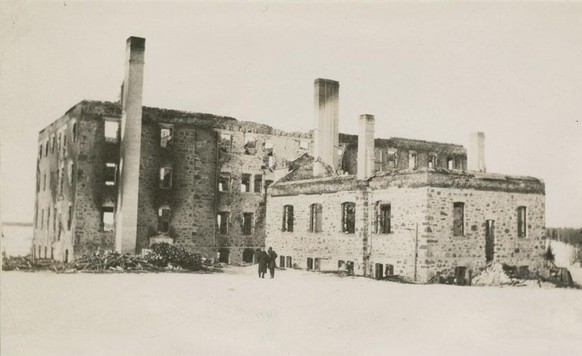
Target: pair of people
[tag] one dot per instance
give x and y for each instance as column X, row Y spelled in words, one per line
column 266, row 259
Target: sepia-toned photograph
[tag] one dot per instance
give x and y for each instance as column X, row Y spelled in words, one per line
column 290, row 178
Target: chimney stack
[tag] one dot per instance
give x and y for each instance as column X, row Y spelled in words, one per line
column 365, row 146
column 476, row 152
column 325, row 134
column 130, row 146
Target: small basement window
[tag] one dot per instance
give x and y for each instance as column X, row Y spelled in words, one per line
column 458, row 219
column 245, row 183
column 110, row 170
column 247, row 223
column 166, row 136
column 111, row 129
column 288, row 218
column 349, row 217
column 521, row 221
column 164, row 215
column 222, row 222
column 107, row 219
column 165, row 178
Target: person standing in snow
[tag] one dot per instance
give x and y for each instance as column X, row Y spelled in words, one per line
column 263, row 260
column 272, row 262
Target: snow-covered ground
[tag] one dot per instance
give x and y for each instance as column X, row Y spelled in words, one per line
column 297, row 313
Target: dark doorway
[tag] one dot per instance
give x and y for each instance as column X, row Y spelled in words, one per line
column 379, row 272
column 460, row 276
column 248, row 254
column 223, row 255
column 289, row 260
column 309, row 263
column 66, row 256
column 316, row 264
column 489, row 240
column 282, row 261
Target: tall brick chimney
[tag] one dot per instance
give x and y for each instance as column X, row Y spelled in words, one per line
column 365, row 146
column 326, row 114
column 476, row 152
column 130, row 146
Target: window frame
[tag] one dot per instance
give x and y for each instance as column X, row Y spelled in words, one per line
column 522, row 221
column 381, row 218
column 163, row 175
column 288, row 218
column 348, row 217
column 461, row 205
column 315, row 218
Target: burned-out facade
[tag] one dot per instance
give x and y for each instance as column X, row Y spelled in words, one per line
column 123, row 176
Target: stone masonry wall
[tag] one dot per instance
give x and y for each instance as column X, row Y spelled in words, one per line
column 331, row 244
column 444, row 251
column 191, row 197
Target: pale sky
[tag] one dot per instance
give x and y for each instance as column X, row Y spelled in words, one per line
column 432, row 71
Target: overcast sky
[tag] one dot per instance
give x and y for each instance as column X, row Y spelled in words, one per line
column 432, row 71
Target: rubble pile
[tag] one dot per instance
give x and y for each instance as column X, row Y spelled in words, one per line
column 111, row 261
column 493, row 275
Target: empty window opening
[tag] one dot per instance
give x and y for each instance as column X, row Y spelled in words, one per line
column 46, row 148
column 432, row 161
column 165, row 178
column 521, row 221
column 258, row 183
column 222, row 222
column 389, row 271
column 54, row 219
column 489, row 240
column 250, row 144
column 349, row 217
column 383, row 219
column 71, row 172
column 166, row 136
column 61, row 177
column 309, row 263
column 223, row 255
column 54, row 143
column 451, row 163
column 378, row 156
column 75, row 132
column 42, row 219
column 52, row 253
column 458, row 219
column 224, row 182
column 64, row 145
column 379, row 271
column 315, row 217
column 66, row 256
column 412, row 160
column 245, row 183
column 391, row 158
column 111, row 129
column 247, row 223
column 164, row 215
column 282, row 261
column 110, row 170
column 248, row 255
column 460, row 276
column 289, row 261
column 225, row 142
column 48, row 218
column 44, row 182
column 288, row 218
column 304, row 144
column 40, row 151
column 70, row 218
column 59, row 145
column 107, row 219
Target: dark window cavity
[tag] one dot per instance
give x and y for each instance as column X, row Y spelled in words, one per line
column 349, row 217
column 521, row 222
column 247, row 223
column 458, row 219
column 222, row 222
column 288, row 218
column 165, row 178
column 315, row 217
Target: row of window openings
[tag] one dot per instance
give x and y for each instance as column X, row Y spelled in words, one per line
column 432, row 161
column 56, row 219
column 459, row 221
column 55, row 143
column 38, row 254
column 222, row 220
column 250, row 144
column 225, row 181
column 59, row 174
column 383, row 218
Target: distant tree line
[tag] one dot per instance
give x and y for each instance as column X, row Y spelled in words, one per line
column 568, row 235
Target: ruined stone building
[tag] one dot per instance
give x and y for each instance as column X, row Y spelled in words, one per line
column 432, row 213
column 123, row 176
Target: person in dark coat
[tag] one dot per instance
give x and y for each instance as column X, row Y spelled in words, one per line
column 263, row 260
column 272, row 262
